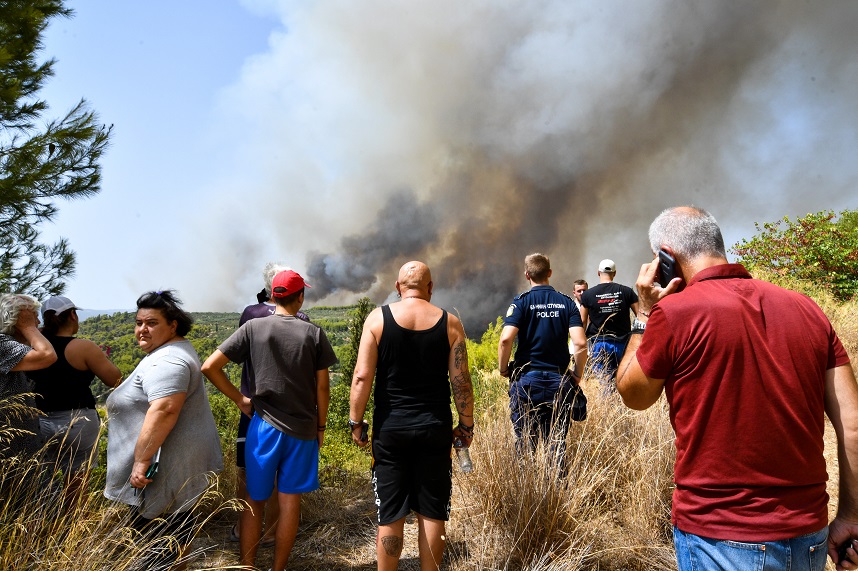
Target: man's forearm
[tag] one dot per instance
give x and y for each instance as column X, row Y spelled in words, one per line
column 504, row 351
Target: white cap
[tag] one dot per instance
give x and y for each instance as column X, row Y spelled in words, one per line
column 607, row 265
column 58, row 304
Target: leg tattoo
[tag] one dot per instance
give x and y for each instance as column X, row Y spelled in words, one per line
column 392, row 545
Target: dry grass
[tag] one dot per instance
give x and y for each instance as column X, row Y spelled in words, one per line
column 40, row 530
column 611, row 511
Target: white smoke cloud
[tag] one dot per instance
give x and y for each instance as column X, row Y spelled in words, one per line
column 468, row 134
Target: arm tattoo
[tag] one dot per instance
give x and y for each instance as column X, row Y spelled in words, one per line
column 462, row 390
column 460, row 377
column 392, row 545
column 460, row 353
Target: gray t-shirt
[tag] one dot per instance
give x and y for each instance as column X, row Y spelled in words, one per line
column 285, row 353
column 190, row 451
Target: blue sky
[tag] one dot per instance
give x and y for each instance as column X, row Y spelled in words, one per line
column 154, row 70
column 345, row 138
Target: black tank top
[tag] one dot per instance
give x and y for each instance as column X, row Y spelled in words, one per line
column 61, row 386
column 412, row 388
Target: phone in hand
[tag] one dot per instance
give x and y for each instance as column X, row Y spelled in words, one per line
column 666, row 268
column 841, row 551
column 364, row 431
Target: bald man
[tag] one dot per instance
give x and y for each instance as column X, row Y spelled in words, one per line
column 417, row 352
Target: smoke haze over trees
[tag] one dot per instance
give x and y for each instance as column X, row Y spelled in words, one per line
column 352, row 137
column 468, row 135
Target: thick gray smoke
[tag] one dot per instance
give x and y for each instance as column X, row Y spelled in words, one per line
column 556, row 126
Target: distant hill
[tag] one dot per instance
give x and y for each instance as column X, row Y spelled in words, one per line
column 113, row 331
column 85, row 314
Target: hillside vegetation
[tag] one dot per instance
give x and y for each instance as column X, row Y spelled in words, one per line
column 115, row 334
column 609, row 512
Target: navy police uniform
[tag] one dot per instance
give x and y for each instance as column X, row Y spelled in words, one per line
column 543, row 317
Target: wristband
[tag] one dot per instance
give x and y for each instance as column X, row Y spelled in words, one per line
column 322, row 427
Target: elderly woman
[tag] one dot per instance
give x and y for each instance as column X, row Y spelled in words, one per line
column 69, row 422
column 22, row 348
column 160, row 416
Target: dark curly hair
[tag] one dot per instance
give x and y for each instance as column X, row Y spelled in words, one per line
column 167, row 302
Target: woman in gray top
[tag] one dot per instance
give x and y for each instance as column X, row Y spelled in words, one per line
column 22, row 348
column 161, row 416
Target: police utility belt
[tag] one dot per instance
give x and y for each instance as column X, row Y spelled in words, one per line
column 519, row 370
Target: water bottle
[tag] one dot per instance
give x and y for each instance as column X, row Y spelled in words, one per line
column 463, row 456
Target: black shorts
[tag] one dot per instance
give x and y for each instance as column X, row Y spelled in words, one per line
column 243, row 423
column 412, row 470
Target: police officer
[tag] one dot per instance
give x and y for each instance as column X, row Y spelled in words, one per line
column 543, row 319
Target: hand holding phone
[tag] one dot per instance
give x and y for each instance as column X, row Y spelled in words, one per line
column 666, row 268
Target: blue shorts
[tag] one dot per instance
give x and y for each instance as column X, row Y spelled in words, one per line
column 269, row 453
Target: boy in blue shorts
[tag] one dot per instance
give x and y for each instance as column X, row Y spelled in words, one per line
column 288, row 403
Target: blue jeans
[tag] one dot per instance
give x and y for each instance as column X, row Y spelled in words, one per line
column 804, row 553
column 606, row 352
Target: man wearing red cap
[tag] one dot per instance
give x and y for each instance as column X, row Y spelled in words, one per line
column 288, row 402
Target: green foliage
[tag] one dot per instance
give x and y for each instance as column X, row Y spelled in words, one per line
column 38, row 164
column 820, row 248
column 484, row 355
column 489, row 387
column 115, row 335
column 339, row 450
column 335, row 322
column 357, row 316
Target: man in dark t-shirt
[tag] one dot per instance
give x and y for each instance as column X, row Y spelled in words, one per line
column 605, row 312
column 264, row 308
column 289, row 396
column 416, row 351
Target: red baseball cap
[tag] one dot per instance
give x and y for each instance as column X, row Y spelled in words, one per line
column 286, row 283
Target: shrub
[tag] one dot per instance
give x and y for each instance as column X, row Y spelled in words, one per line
column 819, row 248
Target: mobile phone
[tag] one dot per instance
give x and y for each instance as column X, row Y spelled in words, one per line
column 364, row 428
column 666, row 268
column 841, row 551
column 153, row 469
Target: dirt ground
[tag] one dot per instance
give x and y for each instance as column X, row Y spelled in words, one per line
column 319, row 546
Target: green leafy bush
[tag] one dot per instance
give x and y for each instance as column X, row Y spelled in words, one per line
column 820, row 248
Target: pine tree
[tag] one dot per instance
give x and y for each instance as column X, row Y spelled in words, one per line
column 39, row 162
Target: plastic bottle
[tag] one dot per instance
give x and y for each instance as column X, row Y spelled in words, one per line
column 463, row 456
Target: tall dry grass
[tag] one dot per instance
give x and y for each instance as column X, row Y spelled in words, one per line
column 611, row 510
column 41, row 529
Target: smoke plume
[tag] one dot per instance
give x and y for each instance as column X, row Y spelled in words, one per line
column 469, row 134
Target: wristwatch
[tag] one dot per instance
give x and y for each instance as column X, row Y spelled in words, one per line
column 353, row 423
column 638, row 327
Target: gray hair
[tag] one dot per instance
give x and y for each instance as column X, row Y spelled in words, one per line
column 11, row 305
column 689, row 231
column 270, row 270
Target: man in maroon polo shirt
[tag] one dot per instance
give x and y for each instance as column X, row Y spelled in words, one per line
column 748, row 370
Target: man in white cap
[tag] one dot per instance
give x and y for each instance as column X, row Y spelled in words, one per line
column 605, row 312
